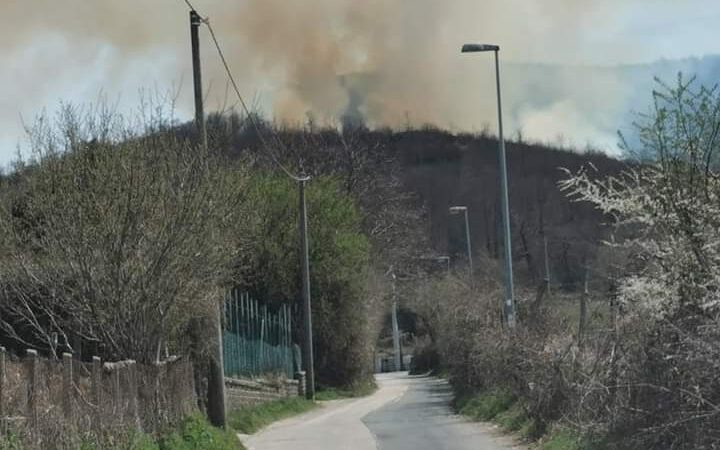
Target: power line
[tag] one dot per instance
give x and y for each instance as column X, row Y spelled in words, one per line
column 192, row 8
column 251, row 117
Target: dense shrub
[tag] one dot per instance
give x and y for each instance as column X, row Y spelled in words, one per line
column 425, row 358
column 339, row 270
column 114, row 237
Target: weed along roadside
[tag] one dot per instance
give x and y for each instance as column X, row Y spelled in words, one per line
column 193, row 433
column 362, row 389
column 251, row 419
column 510, row 414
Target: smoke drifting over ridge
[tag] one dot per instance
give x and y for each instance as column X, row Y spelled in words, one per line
column 395, row 61
column 405, row 52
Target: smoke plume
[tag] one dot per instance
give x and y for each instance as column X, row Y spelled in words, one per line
column 388, row 62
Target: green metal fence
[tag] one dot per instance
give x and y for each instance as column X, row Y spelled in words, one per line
column 256, row 341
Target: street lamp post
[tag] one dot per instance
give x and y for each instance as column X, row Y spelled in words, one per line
column 509, row 305
column 396, row 328
column 308, row 360
column 464, row 210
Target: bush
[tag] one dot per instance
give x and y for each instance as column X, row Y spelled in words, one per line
column 488, row 405
column 115, row 236
column 196, row 433
column 425, row 358
column 339, row 270
column 661, row 389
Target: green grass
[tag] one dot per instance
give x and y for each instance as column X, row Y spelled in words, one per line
column 194, row 433
column 197, row 434
column 501, row 407
column 10, row 442
column 513, row 418
column 486, row 406
column 251, row 419
column 563, row 439
column 357, row 390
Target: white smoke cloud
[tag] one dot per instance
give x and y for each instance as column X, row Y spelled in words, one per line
column 294, row 54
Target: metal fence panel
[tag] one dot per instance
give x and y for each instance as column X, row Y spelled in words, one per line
column 256, row 341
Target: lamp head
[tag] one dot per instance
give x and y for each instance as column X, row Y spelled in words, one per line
column 474, row 48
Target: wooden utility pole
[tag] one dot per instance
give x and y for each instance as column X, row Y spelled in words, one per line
column 308, row 361
column 195, row 22
column 216, row 375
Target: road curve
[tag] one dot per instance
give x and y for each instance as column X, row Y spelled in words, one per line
column 406, row 413
column 422, row 420
column 337, row 425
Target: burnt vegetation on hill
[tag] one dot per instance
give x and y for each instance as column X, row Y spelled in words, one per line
column 405, row 180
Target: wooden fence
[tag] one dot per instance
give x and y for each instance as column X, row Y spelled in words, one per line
column 45, row 401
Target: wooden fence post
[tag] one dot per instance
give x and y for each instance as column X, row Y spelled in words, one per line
column 96, row 391
column 33, row 388
column 67, row 390
column 96, row 381
column 2, row 386
column 117, row 394
column 133, row 387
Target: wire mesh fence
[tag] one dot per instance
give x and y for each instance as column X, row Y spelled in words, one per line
column 47, row 403
column 256, row 341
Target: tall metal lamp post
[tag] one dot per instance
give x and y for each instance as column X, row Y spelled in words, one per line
column 509, row 305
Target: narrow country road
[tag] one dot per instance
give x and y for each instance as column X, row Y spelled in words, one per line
column 406, row 413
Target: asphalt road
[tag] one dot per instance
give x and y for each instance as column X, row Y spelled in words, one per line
column 406, row 413
column 422, row 420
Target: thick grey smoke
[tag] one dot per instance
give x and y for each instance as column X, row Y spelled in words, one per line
column 395, row 62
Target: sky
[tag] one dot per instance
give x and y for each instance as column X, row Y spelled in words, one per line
column 295, row 57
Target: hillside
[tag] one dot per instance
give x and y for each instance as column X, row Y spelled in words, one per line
column 406, row 180
column 450, row 170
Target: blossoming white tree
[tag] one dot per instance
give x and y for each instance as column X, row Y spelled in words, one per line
column 666, row 214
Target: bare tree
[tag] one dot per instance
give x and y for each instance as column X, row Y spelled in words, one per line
column 115, row 235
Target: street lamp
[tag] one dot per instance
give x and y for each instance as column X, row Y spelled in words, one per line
column 509, row 306
column 463, row 209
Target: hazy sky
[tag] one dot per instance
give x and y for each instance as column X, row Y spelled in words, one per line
column 288, row 54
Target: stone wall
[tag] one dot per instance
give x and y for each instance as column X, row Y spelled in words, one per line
column 244, row 392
